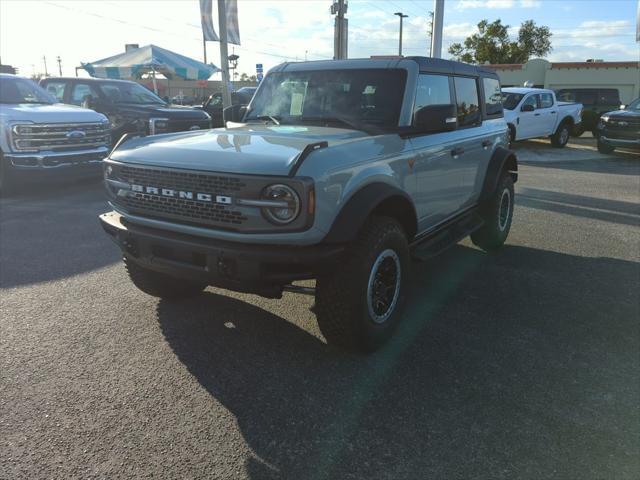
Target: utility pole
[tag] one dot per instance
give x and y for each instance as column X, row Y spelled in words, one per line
column 44, row 59
column 430, row 31
column 224, row 53
column 436, row 37
column 401, row 15
column 59, row 65
column 340, row 35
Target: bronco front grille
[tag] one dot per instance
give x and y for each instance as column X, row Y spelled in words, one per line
column 34, row 137
column 189, row 211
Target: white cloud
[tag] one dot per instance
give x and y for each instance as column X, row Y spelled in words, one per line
column 497, row 4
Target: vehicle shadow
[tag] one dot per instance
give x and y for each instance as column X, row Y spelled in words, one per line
column 520, row 364
column 615, row 211
column 608, row 164
column 51, row 231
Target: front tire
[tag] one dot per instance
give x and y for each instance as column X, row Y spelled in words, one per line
column 497, row 215
column 605, row 147
column 359, row 306
column 561, row 137
column 159, row 284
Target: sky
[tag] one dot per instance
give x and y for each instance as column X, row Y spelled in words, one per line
column 274, row 31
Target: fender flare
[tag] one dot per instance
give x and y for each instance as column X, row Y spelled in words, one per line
column 502, row 159
column 386, row 199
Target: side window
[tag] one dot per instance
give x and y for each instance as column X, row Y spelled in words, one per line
column 609, row 96
column 566, row 96
column 531, row 100
column 587, row 97
column 432, row 90
column 492, row 96
column 81, row 90
column 467, row 101
column 546, row 100
column 56, row 89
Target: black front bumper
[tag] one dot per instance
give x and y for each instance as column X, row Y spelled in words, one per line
column 249, row 268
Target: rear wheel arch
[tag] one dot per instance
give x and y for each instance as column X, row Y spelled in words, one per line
column 374, row 199
column 502, row 160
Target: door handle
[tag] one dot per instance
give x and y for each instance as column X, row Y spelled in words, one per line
column 457, row 151
column 486, row 143
column 554, row 111
column 536, row 114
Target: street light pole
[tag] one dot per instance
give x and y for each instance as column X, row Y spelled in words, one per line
column 401, row 15
column 224, row 53
column 59, row 65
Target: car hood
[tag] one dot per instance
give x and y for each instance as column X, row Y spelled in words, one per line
column 57, row 113
column 621, row 114
column 249, row 149
column 172, row 113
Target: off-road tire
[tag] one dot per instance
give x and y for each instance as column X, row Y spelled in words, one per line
column 343, row 308
column 605, row 147
column 560, row 138
column 6, row 185
column 159, row 284
column 497, row 222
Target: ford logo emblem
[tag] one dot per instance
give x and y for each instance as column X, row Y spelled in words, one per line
column 76, row 134
column 194, row 127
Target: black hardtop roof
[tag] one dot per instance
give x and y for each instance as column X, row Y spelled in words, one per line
column 439, row 65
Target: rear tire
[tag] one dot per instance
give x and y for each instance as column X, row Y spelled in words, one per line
column 561, row 137
column 497, row 215
column 159, row 284
column 605, row 147
column 359, row 306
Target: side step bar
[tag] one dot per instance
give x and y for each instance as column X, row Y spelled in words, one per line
column 446, row 236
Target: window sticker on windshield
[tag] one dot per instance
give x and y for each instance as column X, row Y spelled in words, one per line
column 296, row 104
column 288, row 129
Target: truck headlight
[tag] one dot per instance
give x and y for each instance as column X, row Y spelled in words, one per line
column 285, row 204
column 158, row 125
column 604, row 118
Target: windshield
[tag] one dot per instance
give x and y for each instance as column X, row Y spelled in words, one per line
column 635, row 105
column 511, row 100
column 346, row 98
column 20, row 90
column 118, row 92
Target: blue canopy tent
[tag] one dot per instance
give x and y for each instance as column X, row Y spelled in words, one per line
column 152, row 60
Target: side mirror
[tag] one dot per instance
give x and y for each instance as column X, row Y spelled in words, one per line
column 527, row 108
column 622, row 107
column 436, row 118
column 234, row 113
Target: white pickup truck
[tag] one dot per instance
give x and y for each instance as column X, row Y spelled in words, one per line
column 535, row 112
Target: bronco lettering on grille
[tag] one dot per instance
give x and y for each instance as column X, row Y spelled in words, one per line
column 185, row 195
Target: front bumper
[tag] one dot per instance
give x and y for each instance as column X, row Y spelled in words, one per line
column 249, row 268
column 49, row 164
column 620, row 142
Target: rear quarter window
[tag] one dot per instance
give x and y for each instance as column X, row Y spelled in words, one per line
column 467, row 103
column 492, row 96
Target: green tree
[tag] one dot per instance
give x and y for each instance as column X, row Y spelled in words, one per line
column 491, row 44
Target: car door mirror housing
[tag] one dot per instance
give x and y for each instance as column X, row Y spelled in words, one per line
column 527, row 108
column 622, row 107
column 234, row 113
column 435, row 118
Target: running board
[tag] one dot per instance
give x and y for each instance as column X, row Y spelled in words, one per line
column 448, row 235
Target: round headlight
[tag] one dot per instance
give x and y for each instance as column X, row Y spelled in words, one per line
column 286, row 204
column 604, row 118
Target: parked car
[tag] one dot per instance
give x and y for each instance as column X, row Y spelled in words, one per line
column 595, row 102
column 130, row 107
column 341, row 171
column 620, row 128
column 535, row 112
column 40, row 137
column 213, row 105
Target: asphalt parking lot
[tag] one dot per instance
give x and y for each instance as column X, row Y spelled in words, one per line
column 523, row 364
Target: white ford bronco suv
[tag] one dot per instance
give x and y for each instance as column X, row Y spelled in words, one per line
column 339, row 171
column 41, row 138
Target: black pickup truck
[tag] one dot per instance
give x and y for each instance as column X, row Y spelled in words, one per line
column 620, row 128
column 130, row 107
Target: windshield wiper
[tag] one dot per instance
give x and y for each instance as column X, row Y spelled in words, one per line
column 273, row 119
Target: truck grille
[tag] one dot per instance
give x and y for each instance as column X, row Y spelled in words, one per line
column 185, row 125
column 189, row 211
column 60, row 136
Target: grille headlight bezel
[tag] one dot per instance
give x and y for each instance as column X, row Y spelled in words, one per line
column 280, row 215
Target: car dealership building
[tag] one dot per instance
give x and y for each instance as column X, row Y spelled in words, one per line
column 625, row 76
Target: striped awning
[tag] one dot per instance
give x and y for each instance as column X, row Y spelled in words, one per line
column 150, row 58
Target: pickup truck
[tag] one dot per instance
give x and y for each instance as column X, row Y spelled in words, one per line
column 130, row 107
column 340, row 171
column 40, row 138
column 535, row 112
column 620, row 128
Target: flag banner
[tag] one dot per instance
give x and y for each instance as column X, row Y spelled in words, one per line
column 208, row 31
column 233, row 30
